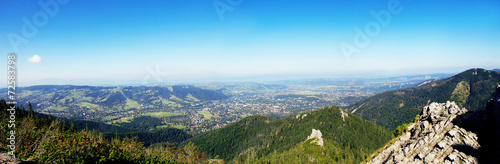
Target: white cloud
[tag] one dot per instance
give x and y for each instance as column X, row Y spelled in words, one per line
column 35, row 59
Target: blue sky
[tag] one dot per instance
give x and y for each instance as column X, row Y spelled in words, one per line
column 187, row 39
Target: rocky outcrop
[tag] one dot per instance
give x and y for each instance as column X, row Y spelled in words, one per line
column 316, row 136
column 343, row 114
column 433, row 138
column 299, row 116
column 444, row 133
column 6, row 159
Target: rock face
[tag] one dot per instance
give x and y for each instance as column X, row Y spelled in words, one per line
column 444, row 133
column 4, row 158
column 316, row 136
column 343, row 114
column 433, row 138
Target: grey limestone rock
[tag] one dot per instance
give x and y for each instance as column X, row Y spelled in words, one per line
column 430, row 139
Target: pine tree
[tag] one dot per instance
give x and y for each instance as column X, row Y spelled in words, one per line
column 72, row 127
column 31, row 112
column 50, row 116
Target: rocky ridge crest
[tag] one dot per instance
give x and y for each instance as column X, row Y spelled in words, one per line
column 432, row 139
column 445, row 133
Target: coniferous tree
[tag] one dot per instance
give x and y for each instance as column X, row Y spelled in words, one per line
column 72, row 127
column 31, row 112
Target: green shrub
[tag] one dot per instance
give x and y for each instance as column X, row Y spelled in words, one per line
column 400, row 130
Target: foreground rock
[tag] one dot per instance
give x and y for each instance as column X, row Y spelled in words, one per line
column 444, row 133
column 6, row 159
column 432, row 139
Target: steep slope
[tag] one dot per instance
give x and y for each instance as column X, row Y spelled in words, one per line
column 444, row 133
column 470, row 89
column 259, row 136
column 432, row 139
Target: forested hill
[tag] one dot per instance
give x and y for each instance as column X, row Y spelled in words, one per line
column 77, row 100
column 349, row 137
column 471, row 89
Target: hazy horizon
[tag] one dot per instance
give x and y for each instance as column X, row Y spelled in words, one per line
column 269, row 79
column 215, row 40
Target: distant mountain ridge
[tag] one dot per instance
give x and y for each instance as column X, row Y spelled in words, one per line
column 82, row 100
column 470, row 89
